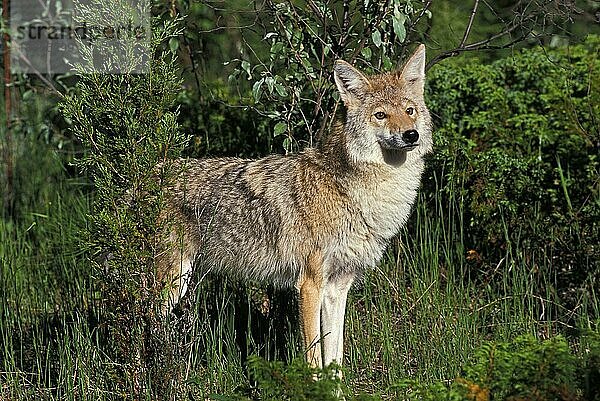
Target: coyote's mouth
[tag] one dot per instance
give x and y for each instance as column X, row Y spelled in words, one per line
column 397, row 145
column 409, row 147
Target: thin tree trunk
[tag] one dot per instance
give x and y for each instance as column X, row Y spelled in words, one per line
column 8, row 145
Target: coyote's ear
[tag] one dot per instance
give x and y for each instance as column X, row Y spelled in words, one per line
column 413, row 73
column 351, row 83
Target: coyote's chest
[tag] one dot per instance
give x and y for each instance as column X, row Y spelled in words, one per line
column 377, row 211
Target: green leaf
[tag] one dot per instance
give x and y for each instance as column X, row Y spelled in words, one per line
column 280, row 128
column 256, row 90
column 276, row 48
column 270, row 82
column 366, row 53
column 280, row 89
column 387, row 62
column 376, row 37
column 306, row 63
column 173, row 45
column 246, row 67
column 398, row 21
column 27, row 95
column 287, row 144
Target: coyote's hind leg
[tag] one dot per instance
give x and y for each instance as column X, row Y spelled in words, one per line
column 176, row 275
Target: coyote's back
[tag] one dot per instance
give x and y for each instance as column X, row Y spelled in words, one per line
column 315, row 220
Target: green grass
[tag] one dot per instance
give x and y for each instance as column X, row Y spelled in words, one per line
column 419, row 315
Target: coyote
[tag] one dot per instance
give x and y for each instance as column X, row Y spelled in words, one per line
column 313, row 220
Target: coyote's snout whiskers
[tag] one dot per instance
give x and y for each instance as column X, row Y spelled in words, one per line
column 315, row 220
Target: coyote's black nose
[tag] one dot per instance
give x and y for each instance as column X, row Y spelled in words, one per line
column 410, row 136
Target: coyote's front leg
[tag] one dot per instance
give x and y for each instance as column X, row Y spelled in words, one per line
column 310, row 289
column 333, row 308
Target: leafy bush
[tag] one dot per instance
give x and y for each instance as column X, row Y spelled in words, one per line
column 523, row 369
column 295, row 381
column 290, row 70
column 518, row 140
column 128, row 126
column 221, row 127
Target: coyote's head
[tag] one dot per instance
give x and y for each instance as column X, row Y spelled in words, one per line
column 387, row 119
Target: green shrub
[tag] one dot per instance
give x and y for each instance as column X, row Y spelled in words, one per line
column 128, row 125
column 296, row 381
column 221, row 127
column 523, row 369
column 289, row 71
column 518, row 140
column 588, row 371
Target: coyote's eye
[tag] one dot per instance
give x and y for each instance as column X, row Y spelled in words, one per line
column 410, row 111
column 380, row 115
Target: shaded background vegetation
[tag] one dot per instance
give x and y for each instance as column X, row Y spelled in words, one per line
column 503, row 241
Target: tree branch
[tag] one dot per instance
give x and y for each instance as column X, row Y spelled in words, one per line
column 345, row 24
column 485, row 43
column 528, row 16
column 421, row 14
column 7, row 154
column 470, row 24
